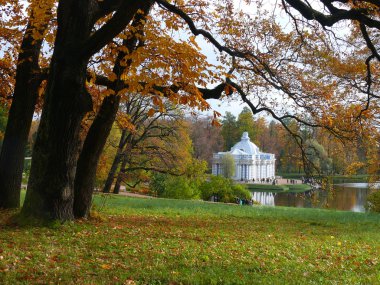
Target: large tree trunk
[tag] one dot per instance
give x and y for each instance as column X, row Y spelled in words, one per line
column 20, row 115
column 50, row 188
column 89, row 157
column 101, row 127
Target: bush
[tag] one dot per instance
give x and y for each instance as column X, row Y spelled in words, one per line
column 217, row 186
column 373, row 202
column 240, row 191
column 175, row 187
column 179, row 187
column 224, row 189
column 157, row 184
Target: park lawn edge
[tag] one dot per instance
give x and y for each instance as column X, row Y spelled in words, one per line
column 289, row 188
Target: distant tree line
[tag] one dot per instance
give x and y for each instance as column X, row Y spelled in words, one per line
column 324, row 153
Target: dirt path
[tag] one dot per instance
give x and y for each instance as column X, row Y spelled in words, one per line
column 129, row 194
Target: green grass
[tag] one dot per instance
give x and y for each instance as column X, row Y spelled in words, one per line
column 335, row 178
column 291, row 188
column 350, row 179
column 162, row 241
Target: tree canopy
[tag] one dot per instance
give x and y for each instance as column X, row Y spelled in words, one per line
column 315, row 64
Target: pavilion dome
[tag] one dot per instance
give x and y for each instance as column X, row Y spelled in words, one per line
column 246, row 145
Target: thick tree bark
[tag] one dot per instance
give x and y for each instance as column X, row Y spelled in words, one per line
column 20, row 116
column 50, row 194
column 51, row 182
column 101, row 127
column 89, row 157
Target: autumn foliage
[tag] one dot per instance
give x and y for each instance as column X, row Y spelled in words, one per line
column 302, row 65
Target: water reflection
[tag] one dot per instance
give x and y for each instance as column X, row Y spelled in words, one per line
column 347, row 197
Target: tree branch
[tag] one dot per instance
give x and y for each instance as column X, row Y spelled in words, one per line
column 123, row 16
column 335, row 16
column 214, row 93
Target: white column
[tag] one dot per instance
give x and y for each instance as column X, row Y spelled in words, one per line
column 270, row 169
column 259, row 170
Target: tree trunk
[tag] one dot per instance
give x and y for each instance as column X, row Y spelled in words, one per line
column 50, row 188
column 101, row 127
column 115, row 164
column 116, row 189
column 89, row 157
column 20, row 116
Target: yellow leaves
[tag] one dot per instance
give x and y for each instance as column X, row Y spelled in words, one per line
column 352, row 168
column 124, row 122
column 194, row 43
column 108, row 92
column 169, row 23
column 50, row 38
column 112, row 76
column 37, row 35
column 327, row 121
column 106, row 266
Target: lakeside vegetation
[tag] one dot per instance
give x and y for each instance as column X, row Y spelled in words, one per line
column 358, row 178
column 289, row 188
column 164, row 241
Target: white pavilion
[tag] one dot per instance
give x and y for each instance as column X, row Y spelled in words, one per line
column 250, row 163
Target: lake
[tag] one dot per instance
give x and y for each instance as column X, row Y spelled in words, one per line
column 347, row 197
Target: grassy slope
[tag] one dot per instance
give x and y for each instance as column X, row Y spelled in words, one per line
column 160, row 241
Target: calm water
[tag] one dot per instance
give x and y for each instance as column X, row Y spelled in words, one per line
column 347, row 197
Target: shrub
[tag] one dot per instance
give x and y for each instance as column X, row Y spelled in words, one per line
column 157, row 184
column 373, row 202
column 224, row 189
column 179, row 187
column 240, row 191
column 175, row 187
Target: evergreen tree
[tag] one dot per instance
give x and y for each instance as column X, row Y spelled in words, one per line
column 230, row 131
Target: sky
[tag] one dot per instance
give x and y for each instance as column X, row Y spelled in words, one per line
column 234, row 107
column 222, row 106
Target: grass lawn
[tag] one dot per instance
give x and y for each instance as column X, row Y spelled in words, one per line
column 336, row 179
column 162, row 241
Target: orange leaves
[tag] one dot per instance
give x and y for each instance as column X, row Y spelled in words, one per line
column 194, row 43
column 124, row 122
column 106, row 266
column 112, row 76
column 228, row 89
column 215, row 120
column 151, row 112
column 215, row 123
